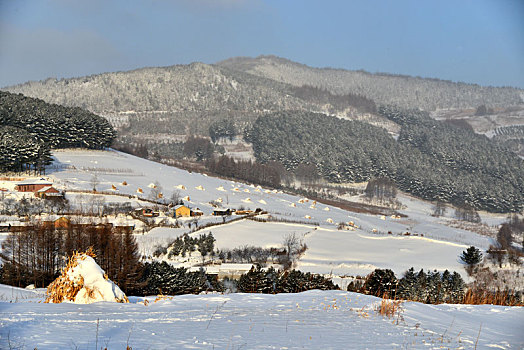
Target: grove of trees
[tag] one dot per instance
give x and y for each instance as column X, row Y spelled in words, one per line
column 431, row 159
column 30, row 127
column 36, row 254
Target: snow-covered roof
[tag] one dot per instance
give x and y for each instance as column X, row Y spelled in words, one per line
column 237, row 267
column 53, row 194
column 43, row 189
column 180, row 206
column 34, row 182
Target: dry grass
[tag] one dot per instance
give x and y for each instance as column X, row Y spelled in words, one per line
column 161, row 297
column 388, row 307
column 480, row 297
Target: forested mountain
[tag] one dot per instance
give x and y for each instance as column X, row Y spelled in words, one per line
column 384, row 89
column 432, row 160
column 156, row 108
column 170, row 99
column 30, row 127
column 184, row 99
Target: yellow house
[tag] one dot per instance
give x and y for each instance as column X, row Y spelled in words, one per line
column 182, row 210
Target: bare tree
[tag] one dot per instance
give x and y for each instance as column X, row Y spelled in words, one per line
column 439, row 209
column 98, row 205
column 95, row 181
column 294, row 246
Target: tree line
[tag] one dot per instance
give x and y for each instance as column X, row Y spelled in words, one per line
column 431, row 287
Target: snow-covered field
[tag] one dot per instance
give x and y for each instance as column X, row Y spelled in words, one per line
column 309, row 320
column 329, row 250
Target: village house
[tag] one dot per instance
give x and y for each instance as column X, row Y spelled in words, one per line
column 32, row 185
column 49, row 192
column 146, row 212
column 181, row 210
column 196, row 212
column 222, row 212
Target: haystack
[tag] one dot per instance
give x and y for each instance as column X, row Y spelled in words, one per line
column 83, row 282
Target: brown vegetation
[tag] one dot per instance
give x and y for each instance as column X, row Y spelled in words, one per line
column 37, row 254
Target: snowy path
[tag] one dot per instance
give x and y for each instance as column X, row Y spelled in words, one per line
column 310, row 320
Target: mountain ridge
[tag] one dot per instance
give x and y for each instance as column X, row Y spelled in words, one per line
column 384, row 88
column 340, row 81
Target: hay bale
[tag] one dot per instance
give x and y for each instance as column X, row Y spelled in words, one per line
column 83, row 282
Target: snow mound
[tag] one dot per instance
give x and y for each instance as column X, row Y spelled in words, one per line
column 83, row 282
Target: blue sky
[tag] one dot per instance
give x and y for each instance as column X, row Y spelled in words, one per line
column 475, row 41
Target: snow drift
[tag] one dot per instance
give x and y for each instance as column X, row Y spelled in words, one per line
column 83, row 282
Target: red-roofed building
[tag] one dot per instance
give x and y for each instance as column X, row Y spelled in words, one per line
column 32, row 185
column 49, row 192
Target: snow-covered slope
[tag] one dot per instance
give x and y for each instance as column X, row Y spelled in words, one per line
column 329, row 249
column 310, row 320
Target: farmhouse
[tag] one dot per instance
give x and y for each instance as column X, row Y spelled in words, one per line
column 182, row 210
column 49, row 192
column 32, row 185
column 222, row 212
column 196, row 212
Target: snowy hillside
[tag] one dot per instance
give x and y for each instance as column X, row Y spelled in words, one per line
column 309, row 320
column 355, row 251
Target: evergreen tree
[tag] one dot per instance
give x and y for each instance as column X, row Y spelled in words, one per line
column 407, row 285
column 254, row 281
column 381, row 283
column 471, row 256
column 421, row 287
